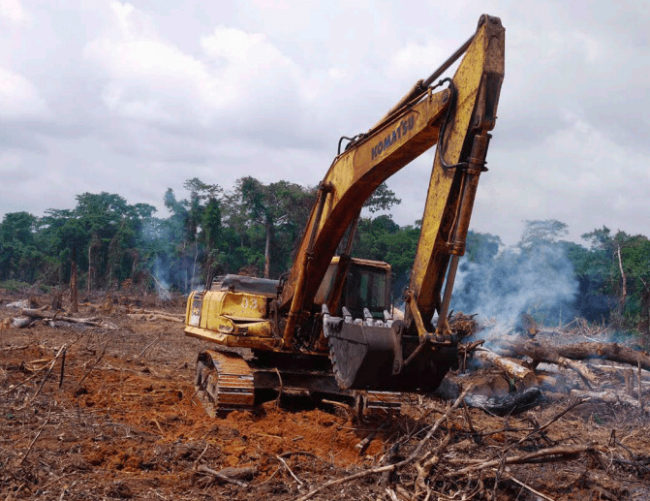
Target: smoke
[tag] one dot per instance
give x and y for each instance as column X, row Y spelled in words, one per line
column 502, row 283
column 172, row 264
column 160, row 279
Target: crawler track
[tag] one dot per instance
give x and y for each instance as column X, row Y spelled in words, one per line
column 224, row 382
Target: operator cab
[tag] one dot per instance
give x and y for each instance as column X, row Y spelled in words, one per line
column 367, row 285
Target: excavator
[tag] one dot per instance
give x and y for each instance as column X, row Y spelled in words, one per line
column 327, row 328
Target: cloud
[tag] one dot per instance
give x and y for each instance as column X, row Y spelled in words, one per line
column 239, row 84
column 13, row 11
column 576, row 174
column 146, row 79
column 19, row 98
column 135, row 98
column 409, row 59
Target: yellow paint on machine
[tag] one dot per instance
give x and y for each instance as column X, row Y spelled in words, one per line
column 248, row 341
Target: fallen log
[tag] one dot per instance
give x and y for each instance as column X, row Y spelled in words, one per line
column 583, row 371
column 23, row 303
column 577, row 351
column 513, row 369
column 152, row 316
column 608, row 397
column 156, row 312
column 92, row 321
column 616, row 370
column 21, row 322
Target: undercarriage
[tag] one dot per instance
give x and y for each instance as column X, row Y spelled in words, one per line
column 226, row 382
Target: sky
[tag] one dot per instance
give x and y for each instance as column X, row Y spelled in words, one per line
column 133, row 98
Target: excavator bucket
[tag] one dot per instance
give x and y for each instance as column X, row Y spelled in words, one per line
column 362, row 356
column 369, row 356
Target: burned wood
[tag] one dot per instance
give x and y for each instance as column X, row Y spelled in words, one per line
column 62, row 372
column 510, row 403
column 91, row 422
column 365, row 442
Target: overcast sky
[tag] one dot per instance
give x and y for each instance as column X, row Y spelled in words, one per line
column 133, row 98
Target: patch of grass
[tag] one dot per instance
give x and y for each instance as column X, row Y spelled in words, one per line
column 14, row 285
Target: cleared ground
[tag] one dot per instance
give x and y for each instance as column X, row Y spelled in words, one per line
column 121, row 420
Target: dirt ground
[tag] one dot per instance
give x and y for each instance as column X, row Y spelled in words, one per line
column 120, row 420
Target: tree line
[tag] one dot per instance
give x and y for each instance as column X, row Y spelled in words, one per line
column 105, row 243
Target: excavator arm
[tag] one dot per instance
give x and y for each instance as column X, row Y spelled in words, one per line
column 458, row 163
column 457, row 118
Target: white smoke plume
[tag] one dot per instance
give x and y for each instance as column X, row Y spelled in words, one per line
column 501, row 286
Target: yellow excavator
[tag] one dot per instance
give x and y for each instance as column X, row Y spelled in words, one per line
column 327, row 329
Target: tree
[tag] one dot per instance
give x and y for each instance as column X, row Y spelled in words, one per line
column 19, row 253
column 481, row 247
column 276, row 207
column 66, row 234
column 211, row 226
column 541, row 232
column 383, row 198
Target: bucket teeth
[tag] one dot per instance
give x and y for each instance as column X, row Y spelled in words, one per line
column 224, row 382
column 362, row 355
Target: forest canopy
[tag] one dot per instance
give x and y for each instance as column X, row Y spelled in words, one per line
column 253, row 228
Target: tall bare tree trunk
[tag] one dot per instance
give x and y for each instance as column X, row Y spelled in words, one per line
column 267, row 251
column 196, row 257
column 621, row 301
column 644, row 325
column 134, row 264
column 184, row 261
column 74, row 294
column 89, row 280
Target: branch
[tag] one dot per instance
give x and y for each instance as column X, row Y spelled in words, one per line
column 554, row 453
column 49, row 370
column 411, row 458
column 224, row 474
